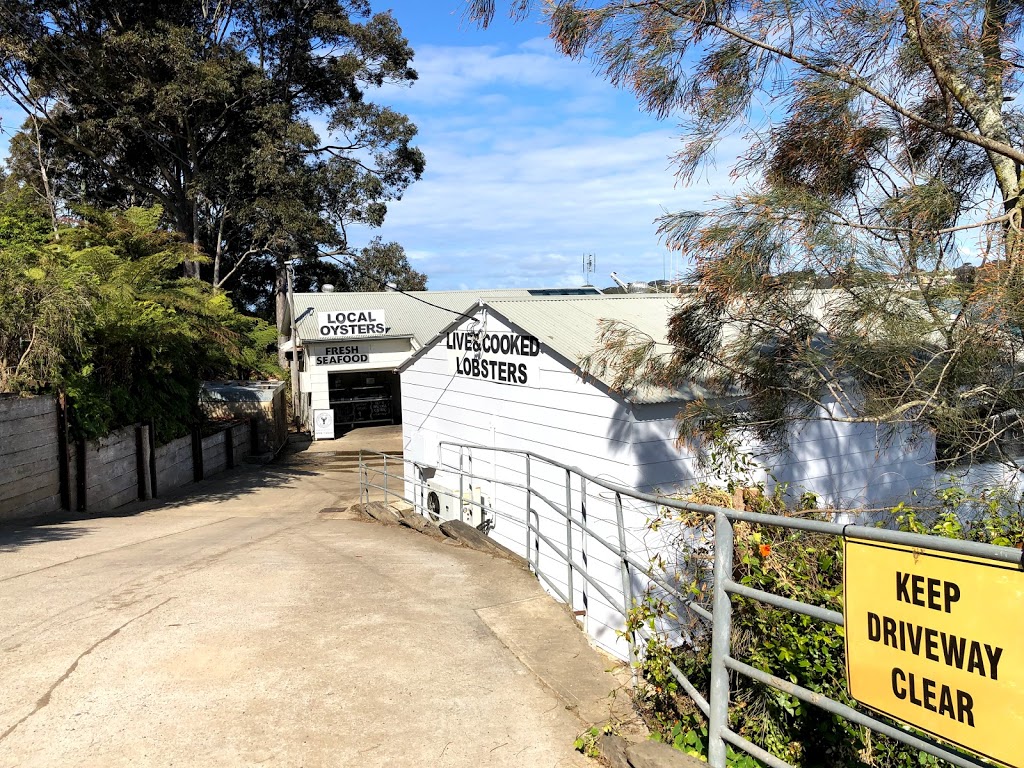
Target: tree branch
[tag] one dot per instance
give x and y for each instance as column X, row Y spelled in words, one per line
column 848, row 78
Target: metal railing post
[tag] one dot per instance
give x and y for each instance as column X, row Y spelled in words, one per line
column 462, row 479
column 529, row 503
column 362, row 476
column 716, row 705
column 385, row 478
column 536, row 542
column 584, row 592
column 721, row 630
column 627, row 585
column 568, row 539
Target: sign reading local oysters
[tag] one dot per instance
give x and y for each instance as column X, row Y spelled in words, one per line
column 358, row 322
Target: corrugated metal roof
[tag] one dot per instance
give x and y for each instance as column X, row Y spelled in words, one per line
column 571, row 326
column 404, row 314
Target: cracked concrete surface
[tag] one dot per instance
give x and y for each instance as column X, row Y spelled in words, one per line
column 235, row 627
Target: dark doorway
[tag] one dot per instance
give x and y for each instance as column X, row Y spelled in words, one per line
column 362, row 398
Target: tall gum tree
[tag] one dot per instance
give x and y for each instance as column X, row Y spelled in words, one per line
column 246, row 121
column 883, row 142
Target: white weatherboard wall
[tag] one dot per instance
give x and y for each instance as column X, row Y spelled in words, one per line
column 846, row 466
column 558, row 415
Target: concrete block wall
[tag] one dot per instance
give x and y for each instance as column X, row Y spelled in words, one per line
column 215, row 454
column 242, row 441
column 29, row 457
column 117, row 467
column 279, row 419
column 174, row 464
column 112, row 469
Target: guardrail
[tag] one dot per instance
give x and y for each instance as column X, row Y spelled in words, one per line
column 716, row 706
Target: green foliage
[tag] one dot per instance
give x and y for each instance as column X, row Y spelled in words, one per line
column 380, row 263
column 810, row 653
column 44, row 303
column 208, row 110
column 111, row 325
column 993, row 516
column 588, row 742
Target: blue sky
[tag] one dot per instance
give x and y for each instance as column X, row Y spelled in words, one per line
column 532, row 160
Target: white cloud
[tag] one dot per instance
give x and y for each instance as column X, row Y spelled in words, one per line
column 449, row 73
column 524, row 211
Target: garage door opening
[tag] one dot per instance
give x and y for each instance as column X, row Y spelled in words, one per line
column 364, row 398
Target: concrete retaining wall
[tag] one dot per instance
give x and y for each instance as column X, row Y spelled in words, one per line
column 113, row 469
column 29, row 463
column 262, row 403
column 242, row 434
column 174, row 465
column 215, row 454
column 118, row 468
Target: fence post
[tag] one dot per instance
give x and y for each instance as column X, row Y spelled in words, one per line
column 63, row 460
column 568, row 539
column 385, row 478
column 721, row 631
column 82, row 479
column 584, row 595
column 254, row 436
column 627, row 585
column 151, row 429
column 197, row 454
column 529, row 503
column 141, row 465
column 536, row 541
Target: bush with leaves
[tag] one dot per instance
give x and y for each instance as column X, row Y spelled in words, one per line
column 99, row 313
column 44, row 299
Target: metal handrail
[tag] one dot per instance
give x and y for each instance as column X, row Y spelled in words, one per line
column 866, row 533
column 716, row 706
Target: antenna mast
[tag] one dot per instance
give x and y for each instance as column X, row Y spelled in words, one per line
column 589, row 265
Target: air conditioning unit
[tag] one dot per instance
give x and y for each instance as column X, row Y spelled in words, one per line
column 442, row 502
column 443, row 505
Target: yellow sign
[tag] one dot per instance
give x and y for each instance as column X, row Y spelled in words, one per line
column 937, row 641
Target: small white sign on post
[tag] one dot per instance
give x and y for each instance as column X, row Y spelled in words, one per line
column 323, row 424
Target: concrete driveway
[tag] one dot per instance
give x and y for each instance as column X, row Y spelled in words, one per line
column 238, row 627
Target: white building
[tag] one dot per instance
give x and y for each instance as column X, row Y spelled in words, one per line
column 509, row 378
column 351, row 344
column 531, row 394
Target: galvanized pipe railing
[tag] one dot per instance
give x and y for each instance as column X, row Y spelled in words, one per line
column 716, row 706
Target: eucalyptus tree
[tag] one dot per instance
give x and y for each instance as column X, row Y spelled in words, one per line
column 869, row 268
column 245, row 121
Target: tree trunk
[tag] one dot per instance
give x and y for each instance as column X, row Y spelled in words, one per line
column 281, row 308
column 192, row 267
